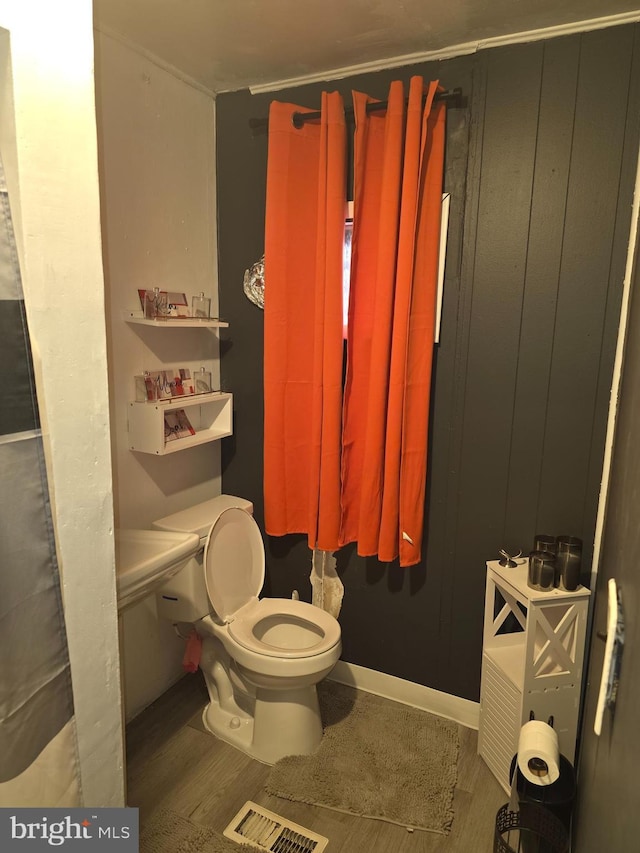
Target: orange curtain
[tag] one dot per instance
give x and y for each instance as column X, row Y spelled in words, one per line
column 304, row 235
column 398, row 168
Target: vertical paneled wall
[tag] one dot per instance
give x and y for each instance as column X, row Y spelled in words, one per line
column 540, row 165
column 547, row 222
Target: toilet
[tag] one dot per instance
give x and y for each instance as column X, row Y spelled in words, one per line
column 261, row 658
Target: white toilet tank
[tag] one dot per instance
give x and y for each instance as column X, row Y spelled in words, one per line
column 184, row 597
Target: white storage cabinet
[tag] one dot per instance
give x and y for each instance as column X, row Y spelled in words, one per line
column 532, row 659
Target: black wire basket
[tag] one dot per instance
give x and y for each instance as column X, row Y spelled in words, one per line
column 533, row 829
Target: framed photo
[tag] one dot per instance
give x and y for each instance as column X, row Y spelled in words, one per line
column 177, row 425
column 176, row 303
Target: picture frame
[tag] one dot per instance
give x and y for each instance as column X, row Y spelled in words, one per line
column 177, row 303
column 177, row 425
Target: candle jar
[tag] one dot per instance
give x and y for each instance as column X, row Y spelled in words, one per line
column 202, row 381
column 200, row 307
column 162, row 305
column 151, row 303
column 568, row 562
column 543, row 542
column 155, row 304
column 541, row 570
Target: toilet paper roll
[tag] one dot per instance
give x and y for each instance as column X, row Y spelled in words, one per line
column 538, row 753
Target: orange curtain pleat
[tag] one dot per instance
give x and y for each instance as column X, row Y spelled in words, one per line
column 398, row 165
column 413, row 470
column 377, row 167
column 304, row 234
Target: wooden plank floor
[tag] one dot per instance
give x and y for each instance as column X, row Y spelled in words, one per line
column 172, row 764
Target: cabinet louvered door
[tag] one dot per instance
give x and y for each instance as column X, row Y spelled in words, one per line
column 501, row 712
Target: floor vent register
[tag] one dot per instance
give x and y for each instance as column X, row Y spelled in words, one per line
column 266, row 830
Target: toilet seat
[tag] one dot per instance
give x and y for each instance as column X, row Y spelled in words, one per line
column 234, row 575
column 284, row 628
column 233, row 562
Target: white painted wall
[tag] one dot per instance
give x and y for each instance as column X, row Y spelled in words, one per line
column 53, row 179
column 157, row 171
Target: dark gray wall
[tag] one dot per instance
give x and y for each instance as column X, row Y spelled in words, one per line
column 540, row 165
column 607, row 815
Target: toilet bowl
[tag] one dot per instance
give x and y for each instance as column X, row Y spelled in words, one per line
column 261, row 658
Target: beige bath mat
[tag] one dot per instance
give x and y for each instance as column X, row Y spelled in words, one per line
column 168, row 832
column 377, row 759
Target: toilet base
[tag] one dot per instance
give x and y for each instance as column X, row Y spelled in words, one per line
column 285, row 722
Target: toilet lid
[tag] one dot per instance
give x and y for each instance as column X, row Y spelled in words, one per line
column 233, row 562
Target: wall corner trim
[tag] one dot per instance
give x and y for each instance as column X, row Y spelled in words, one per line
column 154, row 59
column 461, row 711
column 633, row 259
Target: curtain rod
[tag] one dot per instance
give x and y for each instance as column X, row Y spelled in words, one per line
column 452, row 96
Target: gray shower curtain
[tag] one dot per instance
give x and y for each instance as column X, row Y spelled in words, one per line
column 36, row 701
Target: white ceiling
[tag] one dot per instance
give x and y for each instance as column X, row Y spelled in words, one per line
column 232, row 44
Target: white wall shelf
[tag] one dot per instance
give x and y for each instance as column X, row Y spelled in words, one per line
column 209, row 414
column 137, row 318
column 533, row 651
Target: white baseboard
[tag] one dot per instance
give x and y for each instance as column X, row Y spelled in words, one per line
column 461, row 711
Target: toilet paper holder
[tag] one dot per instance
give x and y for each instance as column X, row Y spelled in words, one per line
column 538, row 766
column 532, row 716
